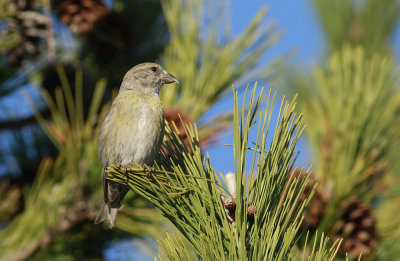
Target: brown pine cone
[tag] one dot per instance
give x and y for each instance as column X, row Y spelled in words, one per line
column 315, row 211
column 81, row 15
column 173, row 116
column 230, row 207
column 357, row 228
column 25, row 29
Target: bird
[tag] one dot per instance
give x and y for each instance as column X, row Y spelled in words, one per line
column 132, row 131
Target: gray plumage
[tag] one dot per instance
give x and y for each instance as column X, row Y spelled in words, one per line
column 132, row 131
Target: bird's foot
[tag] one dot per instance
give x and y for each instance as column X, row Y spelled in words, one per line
column 125, row 172
column 149, row 169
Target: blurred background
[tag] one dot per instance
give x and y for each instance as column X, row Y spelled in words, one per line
column 62, row 61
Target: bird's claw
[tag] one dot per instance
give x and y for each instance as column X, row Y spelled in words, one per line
column 149, row 169
column 125, row 171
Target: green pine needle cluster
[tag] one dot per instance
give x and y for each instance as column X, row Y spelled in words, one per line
column 368, row 23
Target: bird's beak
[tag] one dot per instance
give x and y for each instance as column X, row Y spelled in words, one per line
column 168, row 78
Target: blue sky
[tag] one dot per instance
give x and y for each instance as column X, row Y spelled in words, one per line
column 295, row 19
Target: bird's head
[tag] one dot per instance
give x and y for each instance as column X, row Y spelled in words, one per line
column 146, row 77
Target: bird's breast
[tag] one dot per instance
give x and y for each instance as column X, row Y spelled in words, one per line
column 136, row 125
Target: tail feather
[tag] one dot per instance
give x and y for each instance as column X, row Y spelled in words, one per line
column 102, row 214
column 107, row 213
column 112, row 217
column 114, row 194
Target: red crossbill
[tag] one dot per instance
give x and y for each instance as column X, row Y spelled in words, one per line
column 132, row 131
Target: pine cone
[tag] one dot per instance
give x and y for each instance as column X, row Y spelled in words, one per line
column 173, row 116
column 27, row 27
column 315, row 211
column 230, row 207
column 357, row 228
column 81, row 15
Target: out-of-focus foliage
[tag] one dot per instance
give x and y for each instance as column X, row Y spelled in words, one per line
column 351, row 104
column 351, row 108
column 352, row 117
column 369, row 23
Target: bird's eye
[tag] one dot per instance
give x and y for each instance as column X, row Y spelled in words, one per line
column 154, row 69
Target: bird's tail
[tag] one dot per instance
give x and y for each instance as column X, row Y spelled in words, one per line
column 107, row 213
